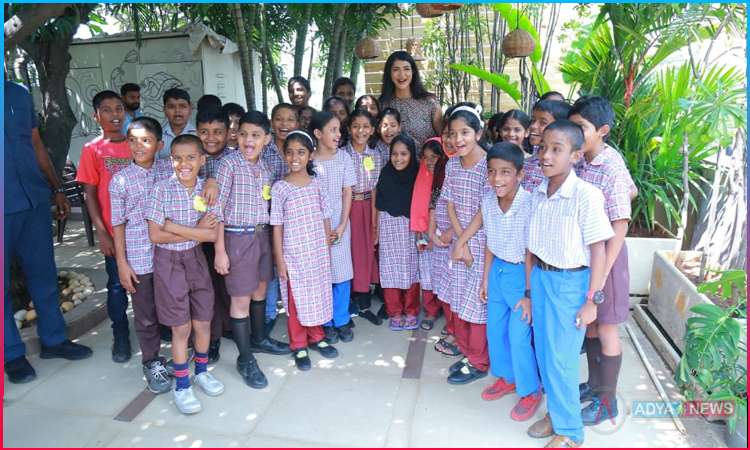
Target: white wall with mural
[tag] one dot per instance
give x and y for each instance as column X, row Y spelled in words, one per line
column 194, row 60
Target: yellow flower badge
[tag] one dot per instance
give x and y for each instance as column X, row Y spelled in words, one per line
column 266, row 194
column 199, row 204
column 368, row 163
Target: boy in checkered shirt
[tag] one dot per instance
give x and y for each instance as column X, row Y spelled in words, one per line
column 178, row 221
column 504, row 214
column 129, row 190
column 543, row 113
column 604, row 167
column 567, row 235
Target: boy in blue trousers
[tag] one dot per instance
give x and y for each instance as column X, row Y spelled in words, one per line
column 567, row 233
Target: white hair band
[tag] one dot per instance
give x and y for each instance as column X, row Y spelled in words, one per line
column 302, row 133
column 468, row 109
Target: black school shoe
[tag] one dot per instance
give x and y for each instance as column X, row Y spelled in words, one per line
column 252, row 374
column 332, row 337
column 66, row 350
column 598, row 411
column 466, row 374
column 458, row 364
column 121, row 351
column 271, row 346
column 382, row 313
column 19, row 371
column 213, row 351
column 371, row 317
column 345, row 333
column 325, row 350
column 302, row 359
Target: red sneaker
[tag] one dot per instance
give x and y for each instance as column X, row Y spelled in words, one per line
column 497, row 390
column 526, row 407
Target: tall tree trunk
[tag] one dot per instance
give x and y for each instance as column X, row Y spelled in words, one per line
column 246, row 61
column 354, row 72
column 268, row 56
column 300, row 39
column 340, row 54
column 312, row 58
column 52, row 60
column 333, row 50
column 23, row 24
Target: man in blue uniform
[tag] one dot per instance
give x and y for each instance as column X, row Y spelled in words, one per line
column 29, row 175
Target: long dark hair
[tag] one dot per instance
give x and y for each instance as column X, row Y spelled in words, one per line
column 388, row 88
column 438, row 175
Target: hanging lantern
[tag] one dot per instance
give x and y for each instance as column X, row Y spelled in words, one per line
column 367, row 48
column 518, row 44
column 428, row 10
column 414, row 48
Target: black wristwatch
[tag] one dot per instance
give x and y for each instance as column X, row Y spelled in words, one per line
column 597, row 297
column 527, row 293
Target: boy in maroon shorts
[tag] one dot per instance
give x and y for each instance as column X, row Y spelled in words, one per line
column 243, row 247
column 178, row 221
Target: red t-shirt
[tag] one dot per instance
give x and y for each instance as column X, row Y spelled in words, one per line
column 100, row 160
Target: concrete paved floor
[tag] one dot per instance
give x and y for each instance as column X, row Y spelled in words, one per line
column 360, row 399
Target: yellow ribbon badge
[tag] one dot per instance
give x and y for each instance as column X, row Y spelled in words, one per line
column 199, row 204
column 266, row 194
column 368, row 163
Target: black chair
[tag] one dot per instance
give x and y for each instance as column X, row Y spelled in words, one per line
column 74, row 193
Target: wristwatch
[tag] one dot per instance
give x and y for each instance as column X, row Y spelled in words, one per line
column 60, row 190
column 597, row 297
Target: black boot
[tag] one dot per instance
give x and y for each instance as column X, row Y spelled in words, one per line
column 261, row 342
column 247, row 366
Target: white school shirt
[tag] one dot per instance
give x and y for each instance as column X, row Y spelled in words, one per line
column 168, row 136
column 563, row 226
column 507, row 232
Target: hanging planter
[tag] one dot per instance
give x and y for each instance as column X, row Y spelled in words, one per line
column 414, row 48
column 518, row 44
column 428, row 10
column 367, row 48
column 447, row 6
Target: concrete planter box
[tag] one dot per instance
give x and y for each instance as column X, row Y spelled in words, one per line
column 640, row 260
column 671, row 295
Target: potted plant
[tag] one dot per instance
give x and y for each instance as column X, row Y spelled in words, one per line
column 713, row 365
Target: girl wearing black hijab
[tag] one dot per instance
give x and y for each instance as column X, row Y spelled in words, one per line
column 398, row 250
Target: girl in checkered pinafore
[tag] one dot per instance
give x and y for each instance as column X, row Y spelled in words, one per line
column 465, row 183
column 398, row 250
column 300, row 216
column 334, row 169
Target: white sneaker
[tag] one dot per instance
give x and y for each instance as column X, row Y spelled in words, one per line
column 186, row 401
column 210, row 385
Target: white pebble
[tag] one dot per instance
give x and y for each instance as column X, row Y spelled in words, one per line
column 63, row 273
column 67, row 291
column 77, row 302
column 67, row 306
column 20, row 314
column 78, row 289
column 77, row 296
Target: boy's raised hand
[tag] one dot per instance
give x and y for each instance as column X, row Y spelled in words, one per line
column 211, row 191
column 128, row 278
column 221, row 263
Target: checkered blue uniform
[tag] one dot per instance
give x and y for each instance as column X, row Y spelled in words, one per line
column 507, row 232
column 465, row 188
column 399, row 266
column 241, row 185
column 129, row 192
column 334, row 175
column 171, row 200
column 301, row 210
column 366, row 179
column 274, row 160
column 440, row 256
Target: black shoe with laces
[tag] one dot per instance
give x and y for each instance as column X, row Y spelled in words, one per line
column 252, row 374
column 66, row 350
column 19, row 371
column 213, row 351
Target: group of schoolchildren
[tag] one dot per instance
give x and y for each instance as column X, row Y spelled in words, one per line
column 519, row 245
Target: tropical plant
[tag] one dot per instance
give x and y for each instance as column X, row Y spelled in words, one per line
column 710, row 365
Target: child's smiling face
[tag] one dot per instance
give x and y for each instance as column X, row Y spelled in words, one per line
column 360, row 130
column 297, row 156
column 213, row 135
column 503, row 177
column 110, row 115
column 463, row 137
column 143, row 146
column 430, row 159
column 593, row 138
column 400, row 156
column 284, row 121
column 539, row 121
column 187, row 160
column 251, row 139
column 512, row 131
column 330, row 136
column 556, row 155
column 389, row 128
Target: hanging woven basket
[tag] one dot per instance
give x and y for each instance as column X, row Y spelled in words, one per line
column 518, row 44
column 367, row 48
column 447, row 6
column 428, row 10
